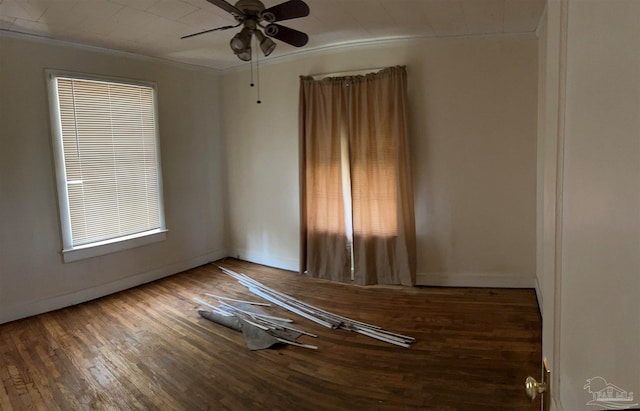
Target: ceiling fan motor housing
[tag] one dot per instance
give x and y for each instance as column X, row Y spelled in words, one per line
column 250, row 7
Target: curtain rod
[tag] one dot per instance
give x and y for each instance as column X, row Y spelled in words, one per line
column 347, row 72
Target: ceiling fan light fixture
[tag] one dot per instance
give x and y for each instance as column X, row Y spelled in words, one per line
column 244, row 55
column 241, row 41
column 266, row 44
column 236, row 44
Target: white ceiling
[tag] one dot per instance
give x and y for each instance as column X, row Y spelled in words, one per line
column 154, row 27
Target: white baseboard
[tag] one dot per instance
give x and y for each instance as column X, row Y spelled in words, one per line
column 490, row 280
column 23, row 310
column 265, row 259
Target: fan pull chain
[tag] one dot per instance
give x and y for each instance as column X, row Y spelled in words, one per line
column 258, row 75
column 251, row 65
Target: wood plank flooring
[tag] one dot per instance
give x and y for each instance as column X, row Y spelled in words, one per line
column 148, row 349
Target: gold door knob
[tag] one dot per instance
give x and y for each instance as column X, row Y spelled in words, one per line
column 534, row 387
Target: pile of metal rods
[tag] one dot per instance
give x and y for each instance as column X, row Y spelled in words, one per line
column 318, row 315
column 260, row 320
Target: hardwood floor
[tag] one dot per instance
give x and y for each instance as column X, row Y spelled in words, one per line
column 148, row 349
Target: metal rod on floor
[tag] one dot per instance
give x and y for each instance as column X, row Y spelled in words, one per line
column 217, row 297
column 320, row 316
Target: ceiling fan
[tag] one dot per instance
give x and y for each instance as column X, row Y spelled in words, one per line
column 252, row 15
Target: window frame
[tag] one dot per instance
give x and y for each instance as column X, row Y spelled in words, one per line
column 71, row 253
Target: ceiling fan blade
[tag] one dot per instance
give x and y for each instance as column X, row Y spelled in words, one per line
column 291, row 9
column 209, row 31
column 286, row 34
column 227, row 7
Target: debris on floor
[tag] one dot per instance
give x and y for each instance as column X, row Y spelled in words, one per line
column 318, row 315
column 259, row 329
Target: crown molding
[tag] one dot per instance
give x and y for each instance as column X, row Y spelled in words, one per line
column 97, row 49
column 241, row 66
column 328, row 49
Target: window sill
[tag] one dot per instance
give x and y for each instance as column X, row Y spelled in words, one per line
column 113, row 246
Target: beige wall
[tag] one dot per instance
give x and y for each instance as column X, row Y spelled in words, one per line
column 473, row 104
column 473, row 115
column 600, row 293
column 32, row 276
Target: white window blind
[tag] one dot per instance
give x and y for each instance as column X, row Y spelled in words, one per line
column 107, row 133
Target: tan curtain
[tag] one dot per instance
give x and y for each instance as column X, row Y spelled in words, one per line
column 382, row 194
column 324, row 252
column 370, row 113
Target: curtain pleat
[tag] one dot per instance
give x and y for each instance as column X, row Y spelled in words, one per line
column 371, row 113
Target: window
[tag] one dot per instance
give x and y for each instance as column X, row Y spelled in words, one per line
column 105, row 140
